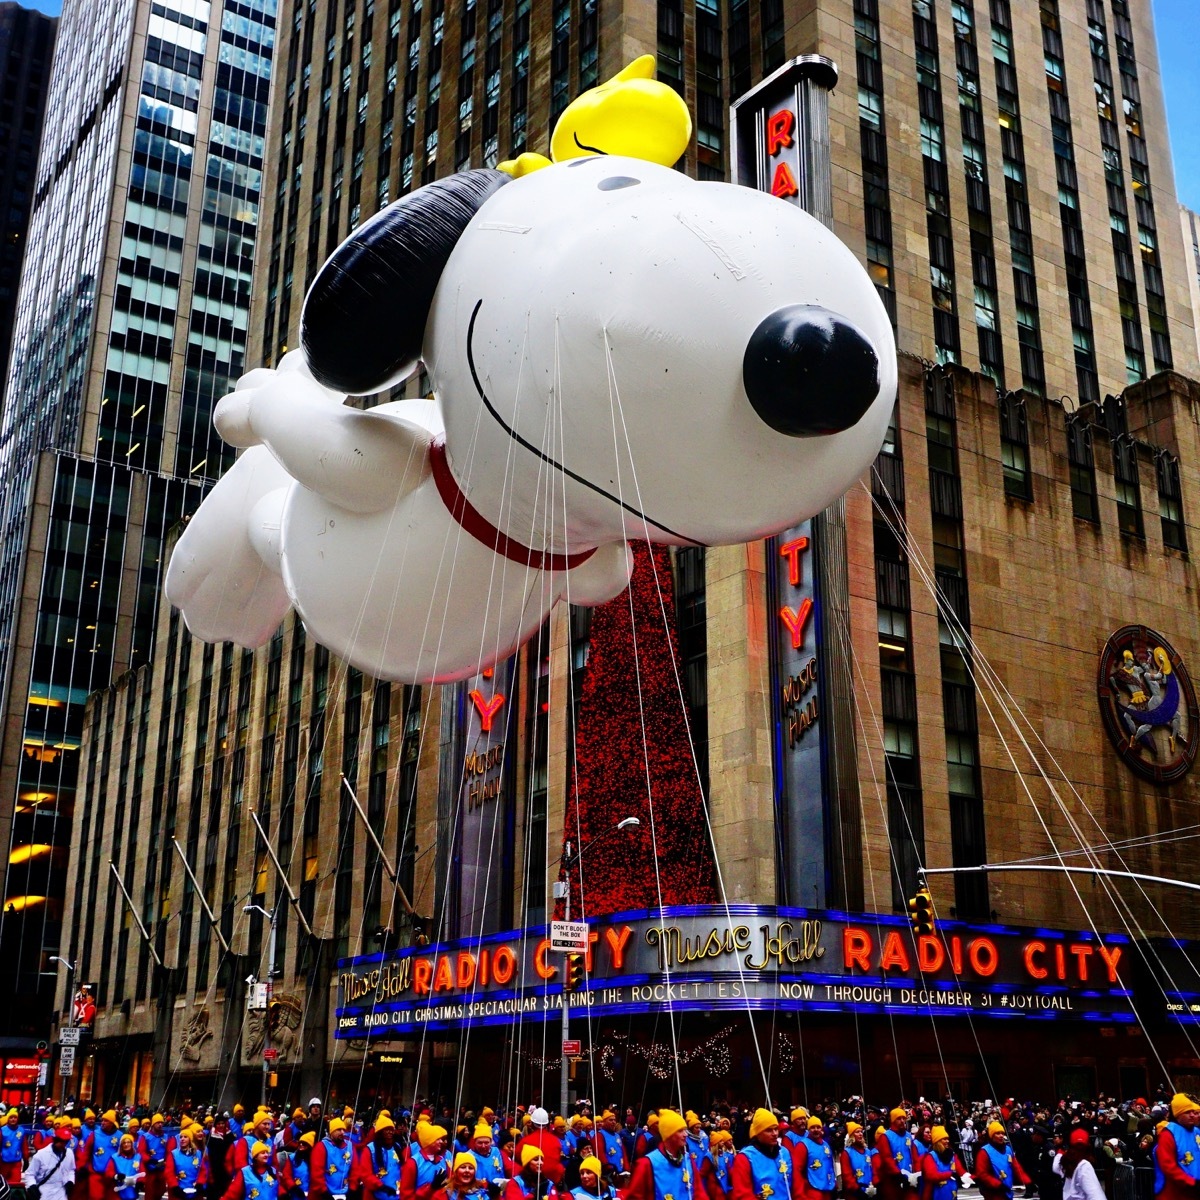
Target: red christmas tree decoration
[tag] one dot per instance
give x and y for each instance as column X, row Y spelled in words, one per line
column 633, row 758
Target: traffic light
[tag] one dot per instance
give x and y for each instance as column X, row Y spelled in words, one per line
column 573, row 981
column 920, row 909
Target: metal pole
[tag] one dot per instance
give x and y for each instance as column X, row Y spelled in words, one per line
column 1195, row 887
column 270, row 990
column 393, row 875
column 208, row 912
column 566, row 1003
column 287, row 887
column 133, row 912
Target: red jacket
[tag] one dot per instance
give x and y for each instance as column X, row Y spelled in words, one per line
column 641, row 1184
column 237, row 1187
column 1178, row 1184
column 989, row 1185
column 800, row 1173
column 551, row 1147
column 171, row 1175
column 933, row 1174
column 741, row 1178
column 408, row 1178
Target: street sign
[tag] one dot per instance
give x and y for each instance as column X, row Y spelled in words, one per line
column 43, row 1074
column 69, row 1036
column 569, row 937
column 572, row 1048
column 66, row 1060
column 387, row 1058
column 270, row 1054
column 257, row 996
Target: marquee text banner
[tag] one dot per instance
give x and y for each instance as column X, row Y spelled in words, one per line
column 745, row 957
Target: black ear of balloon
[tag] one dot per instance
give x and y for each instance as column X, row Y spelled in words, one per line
column 364, row 316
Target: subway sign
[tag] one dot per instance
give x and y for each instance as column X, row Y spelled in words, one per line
column 744, row 957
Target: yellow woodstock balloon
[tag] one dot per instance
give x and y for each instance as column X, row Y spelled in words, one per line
column 632, row 114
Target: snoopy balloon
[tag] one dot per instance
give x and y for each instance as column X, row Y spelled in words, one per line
column 615, row 351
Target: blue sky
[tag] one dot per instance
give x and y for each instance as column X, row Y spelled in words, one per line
column 1178, row 24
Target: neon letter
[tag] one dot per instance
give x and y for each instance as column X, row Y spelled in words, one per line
column 487, row 708
column 1082, row 954
column 784, row 183
column 779, row 130
column 1111, row 956
column 792, row 551
column 856, row 947
column 616, row 944
column 797, row 620
column 930, row 954
column 893, row 953
column 1035, row 971
column 984, row 956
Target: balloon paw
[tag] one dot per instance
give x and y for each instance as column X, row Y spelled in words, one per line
column 523, row 164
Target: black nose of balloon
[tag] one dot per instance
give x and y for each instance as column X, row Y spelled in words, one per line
column 809, row 372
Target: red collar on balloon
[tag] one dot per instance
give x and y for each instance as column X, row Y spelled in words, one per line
column 482, row 530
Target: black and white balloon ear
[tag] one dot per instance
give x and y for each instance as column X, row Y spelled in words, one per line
column 364, row 316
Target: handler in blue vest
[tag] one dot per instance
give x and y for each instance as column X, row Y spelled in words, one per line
column 996, row 1167
column 12, row 1149
column 127, row 1169
column 764, row 1168
column 257, row 1181
column 797, row 1129
column 186, row 1170
column 531, row 1182
column 720, row 1146
column 490, row 1165
column 294, row 1168
column 378, row 1164
column 813, row 1159
column 332, row 1158
column 941, row 1171
column 1177, row 1152
column 666, row 1172
column 591, row 1182
column 858, row 1165
column 610, row 1147
column 152, row 1147
column 896, row 1168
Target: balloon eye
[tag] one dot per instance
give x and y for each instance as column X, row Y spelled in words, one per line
column 614, row 183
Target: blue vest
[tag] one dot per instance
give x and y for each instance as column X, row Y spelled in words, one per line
column 698, row 1152
column 1187, row 1154
column 127, row 1167
column 772, row 1176
column 12, row 1144
column 427, row 1171
column 104, row 1147
column 156, row 1151
column 259, row 1187
column 861, row 1165
column 614, row 1150
column 671, row 1182
column 793, row 1138
column 722, row 1161
column 389, row 1171
column 187, row 1167
column 1002, row 1161
column 902, row 1149
column 949, row 1189
column 488, row 1166
column 605, row 1193
column 820, row 1166
column 337, row 1166
column 300, row 1173
column 235, row 1127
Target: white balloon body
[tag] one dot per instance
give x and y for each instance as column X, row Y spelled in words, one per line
column 585, row 347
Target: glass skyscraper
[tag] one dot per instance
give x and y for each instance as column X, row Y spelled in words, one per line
column 131, row 322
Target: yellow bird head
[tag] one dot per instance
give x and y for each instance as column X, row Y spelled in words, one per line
column 631, row 114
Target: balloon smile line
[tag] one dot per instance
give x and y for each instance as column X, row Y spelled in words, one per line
column 546, row 458
column 589, row 149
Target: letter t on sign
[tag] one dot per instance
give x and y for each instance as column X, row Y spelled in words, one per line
column 487, row 709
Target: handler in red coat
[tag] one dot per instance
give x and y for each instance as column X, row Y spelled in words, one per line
column 764, row 1168
column 1177, row 1152
column 996, row 1166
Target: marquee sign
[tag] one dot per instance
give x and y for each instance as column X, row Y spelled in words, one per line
column 710, row 958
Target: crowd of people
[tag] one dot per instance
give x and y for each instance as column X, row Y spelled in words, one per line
column 914, row 1151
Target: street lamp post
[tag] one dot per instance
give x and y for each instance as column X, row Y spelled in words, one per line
column 273, row 918
column 70, row 1016
column 563, row 892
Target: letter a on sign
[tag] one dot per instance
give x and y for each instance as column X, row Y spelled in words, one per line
column 784, row 183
